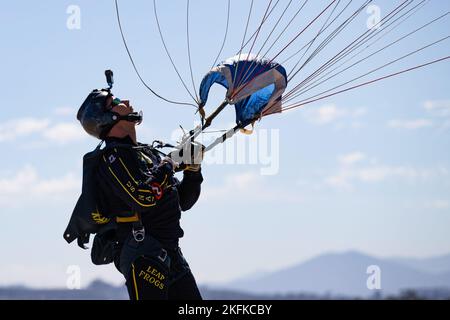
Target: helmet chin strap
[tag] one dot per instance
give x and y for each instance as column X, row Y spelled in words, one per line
column 135, row 117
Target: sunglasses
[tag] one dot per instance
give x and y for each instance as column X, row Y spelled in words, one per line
column 115, row 102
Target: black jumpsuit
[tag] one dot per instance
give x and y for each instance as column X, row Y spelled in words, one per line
column 133, row 182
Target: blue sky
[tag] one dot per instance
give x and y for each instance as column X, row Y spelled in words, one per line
column 366, row 170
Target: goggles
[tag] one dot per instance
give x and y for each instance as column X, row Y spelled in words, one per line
column 115, row 102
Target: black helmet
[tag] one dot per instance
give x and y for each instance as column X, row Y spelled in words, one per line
column 97, row 120
column 93, row 115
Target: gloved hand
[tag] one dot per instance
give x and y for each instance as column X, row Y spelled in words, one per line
column 174, row 164
column 189, row 157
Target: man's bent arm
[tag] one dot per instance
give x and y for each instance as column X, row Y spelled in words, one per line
column 189, row 189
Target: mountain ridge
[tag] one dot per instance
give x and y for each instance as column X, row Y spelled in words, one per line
column 344, row 273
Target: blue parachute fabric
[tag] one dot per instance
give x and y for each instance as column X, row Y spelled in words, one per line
column 251, row 107
column 242, row 74
column 207, row 82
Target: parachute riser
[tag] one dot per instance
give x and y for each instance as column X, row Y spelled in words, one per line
column 194, row 133
column 213, row 115
column 224, row 137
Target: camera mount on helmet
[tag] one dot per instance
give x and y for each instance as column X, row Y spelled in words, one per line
column 109, row 79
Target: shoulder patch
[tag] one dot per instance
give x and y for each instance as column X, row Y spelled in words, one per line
column 112, row 158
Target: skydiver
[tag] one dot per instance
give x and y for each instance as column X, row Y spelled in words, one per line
column 136, row 203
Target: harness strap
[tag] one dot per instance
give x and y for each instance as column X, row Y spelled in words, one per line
column 133, row 218
column 138, row 229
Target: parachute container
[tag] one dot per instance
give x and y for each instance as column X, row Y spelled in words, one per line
column 254, row 85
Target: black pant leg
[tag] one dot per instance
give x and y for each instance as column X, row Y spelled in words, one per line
column 185, row 288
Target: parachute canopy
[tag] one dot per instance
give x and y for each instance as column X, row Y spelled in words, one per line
column 253, row 85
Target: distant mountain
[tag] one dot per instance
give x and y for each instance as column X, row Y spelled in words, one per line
column 342, row 274
column 436, row 265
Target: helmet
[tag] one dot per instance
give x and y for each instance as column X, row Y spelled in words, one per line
column 93, row 115
column 95, row 118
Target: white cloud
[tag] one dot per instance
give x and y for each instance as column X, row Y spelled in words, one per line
column 12, row 129
column 346, row 177
column 341, row 180
column 244, row 180
column 65, row 111
column 380, row 173
column 251, row 187
column 437, row 113
column 327, row 114
column 446, row 125
column 353, row 169
column 357, row 125
column 440, row 108
column 233, row 184
column 330, row 113
column 410, row 124
column 64, row 184
column 26, row 185
column 351, row 158
column 359, row 112
column 64, row 133
column 440, row 204
column 23, row 178
column 60, row 132
column 324, row 115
